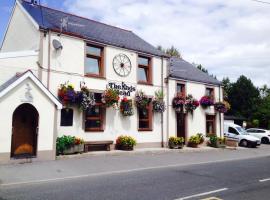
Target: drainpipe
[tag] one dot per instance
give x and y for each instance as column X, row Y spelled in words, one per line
column 162, row 79
column 220, row 131
column 49, row 60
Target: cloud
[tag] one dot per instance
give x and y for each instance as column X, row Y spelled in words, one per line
column 229, row 37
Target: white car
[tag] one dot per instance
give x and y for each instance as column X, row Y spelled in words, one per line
column 262, row 134
column 235, row 132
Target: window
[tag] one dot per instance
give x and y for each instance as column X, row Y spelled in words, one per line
column 210, row 125
column 180, row 89
column 94, row 116
column 144, row 70
column 94, row 61
column 210, row 92
column 233, row 131
column 66, row 117
column 145, row 118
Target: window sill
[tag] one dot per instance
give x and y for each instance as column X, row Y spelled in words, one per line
column 145, row 129
column 94, row 130
column 145, row 83
column 94, row 76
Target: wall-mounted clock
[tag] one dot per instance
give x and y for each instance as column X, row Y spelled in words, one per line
column 122, row 65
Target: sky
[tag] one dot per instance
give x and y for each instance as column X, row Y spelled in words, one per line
column 228, row 37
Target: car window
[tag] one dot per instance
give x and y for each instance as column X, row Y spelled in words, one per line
column 232, row 130
column 251, row 131
column 260, row 131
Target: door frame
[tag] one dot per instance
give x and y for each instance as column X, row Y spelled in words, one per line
column 185, row 124
column 35, row 136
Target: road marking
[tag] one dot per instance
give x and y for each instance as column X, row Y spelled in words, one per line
column 212, row 198
column 118, row 172
column 202, row 194
column 264, row 180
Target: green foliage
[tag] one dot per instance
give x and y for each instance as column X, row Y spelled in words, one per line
column 63, row 143
column 255, row 123
column 124, row 140
column 215, row 141
column 195, row 139
column 201, row 137
column 176, row 140
column 172, row 51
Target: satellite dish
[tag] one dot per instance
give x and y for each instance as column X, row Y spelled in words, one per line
column 57, row 45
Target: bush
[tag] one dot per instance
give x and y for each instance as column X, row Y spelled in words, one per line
column 65, row 142
column 194, row 140
column 125, row 141
column 215, row 141
column 200, row 135
column 176, row 140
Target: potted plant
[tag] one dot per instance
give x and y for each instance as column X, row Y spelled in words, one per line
column 222, row 107
column 85, row 98
column 110, row 98
column 178, row 102
column 194, row 141
column 142, row 101
column 126, row 107
column 201, row 137
column 125, row 143
column 67, row 144
column 191, row 104
column 206, row 101
column 67, row 94
column 176, row 142
column 216, row 142
column 158, row 102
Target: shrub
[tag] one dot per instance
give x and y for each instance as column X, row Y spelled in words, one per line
column 201, row 137
column 124, row 140
column 65, row 142
column 176, row 140
column 215, row 141
column 194, row 140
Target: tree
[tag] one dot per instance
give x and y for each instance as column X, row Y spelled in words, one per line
column 226, row 83
column 172, row 51
column 244, row 98
column 200, row 67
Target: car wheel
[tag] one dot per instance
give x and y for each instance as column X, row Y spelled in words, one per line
column 265, row 140
column 244, row 143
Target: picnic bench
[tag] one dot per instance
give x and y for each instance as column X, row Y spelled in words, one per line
column 93, row 145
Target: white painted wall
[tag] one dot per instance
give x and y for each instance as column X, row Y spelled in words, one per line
column 196, row 123
column 45, row 108
column 21, row 33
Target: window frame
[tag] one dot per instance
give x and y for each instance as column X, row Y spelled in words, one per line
column 183, row 93
column 214, row 124
column 61, row 118
column 149, row 80
column 101, row 118
column 149, row 118
column 100, row 59
column 212, row 91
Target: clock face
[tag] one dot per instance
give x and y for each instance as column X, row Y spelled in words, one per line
column 121, row 65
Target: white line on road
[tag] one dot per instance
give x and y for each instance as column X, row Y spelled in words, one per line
column 264, row 180
column 202, row 194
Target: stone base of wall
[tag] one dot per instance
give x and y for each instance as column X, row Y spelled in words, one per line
column 41, row 156
column 146, row 145
column 231, row 143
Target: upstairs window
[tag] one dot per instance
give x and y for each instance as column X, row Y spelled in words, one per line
column 94, row 61
column 180, row 89
column 144, row 70
column 66, row 117
column 145, row 118
column 210, row 92
column 94, row 116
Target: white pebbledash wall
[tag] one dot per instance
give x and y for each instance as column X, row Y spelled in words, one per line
column 67, row 65
column 196, row 123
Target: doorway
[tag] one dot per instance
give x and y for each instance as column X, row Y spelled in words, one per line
column 24, row 131
column 181, row 125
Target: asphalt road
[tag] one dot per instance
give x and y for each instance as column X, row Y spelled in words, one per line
column 238, row 179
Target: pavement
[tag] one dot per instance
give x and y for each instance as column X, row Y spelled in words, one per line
column 224, row 173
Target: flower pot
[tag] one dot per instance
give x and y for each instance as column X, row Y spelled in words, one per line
column 126, row 147
column 175, row 146
column 78, row 148
column 193, row 145
column 69, row 150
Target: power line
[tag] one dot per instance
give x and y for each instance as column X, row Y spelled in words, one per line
column 258, row 1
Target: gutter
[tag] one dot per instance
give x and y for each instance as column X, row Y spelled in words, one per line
column 220, row 131
column 162, row 115
column 49, row 60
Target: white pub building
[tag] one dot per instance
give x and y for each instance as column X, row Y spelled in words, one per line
column 45, row 48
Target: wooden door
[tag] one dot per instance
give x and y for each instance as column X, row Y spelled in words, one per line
column 181, row 125
column 24, row 131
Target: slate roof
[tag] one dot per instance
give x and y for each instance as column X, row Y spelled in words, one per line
column 181, row 69
column 48, row 18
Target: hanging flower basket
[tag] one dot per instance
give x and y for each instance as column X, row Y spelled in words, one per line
column 67, row 94
column 126, row 107
column 110, row 98
column 141, row 100
column 158, row 102
column 206, row 101
column 222, row 107
column 191, row 104
column 178, row 103
column 85, row 98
